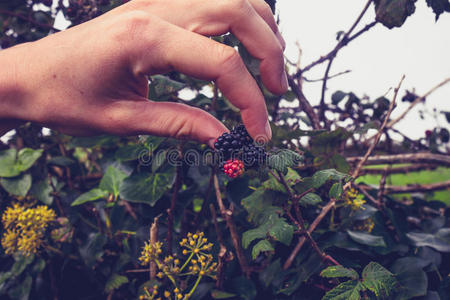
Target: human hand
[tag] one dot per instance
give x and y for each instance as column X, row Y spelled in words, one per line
column 92, row 78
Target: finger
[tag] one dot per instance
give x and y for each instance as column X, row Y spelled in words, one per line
column 125, row 117
column 201, row 57
column 263, row 9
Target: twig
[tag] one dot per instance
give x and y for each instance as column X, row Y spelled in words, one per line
column 399, row 170
column 343, row 42
column 418, row 100
column 329, row 77
column 413, row 188
column 377, row 137
column 227, row 215
column 153, row 240
column 382, row 185
column 324, row 88
column 304, row 103
column 365, row 193
column 423, row 157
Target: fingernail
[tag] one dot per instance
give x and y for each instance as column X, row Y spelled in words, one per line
column 211, row 143
column 284, row 80
column 268, row 131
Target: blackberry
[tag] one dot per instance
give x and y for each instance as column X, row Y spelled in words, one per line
column 253, row 156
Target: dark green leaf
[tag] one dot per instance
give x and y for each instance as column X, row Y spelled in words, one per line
column 112, row 181
column 439, row 241
column 337, row 97
column 413, row 281
column 270, row 273
column 17, row 186
column 162, row 86
column 244, row 287
column 216, row 294
column 283, row 159
column 92, row 195
column 439, row 6
column 61, row 161
column 339, row 271
column 20, row 264
column 146, row 188
column 393, row 13
column 261, row 246
column 92, row 250
column 367, row 239
column 320, row 177
column 272, row 183
column 348, row 290
column 22, row 290
column 115, row 282
column 310, row 199
column 253, row 234
column 41, row 190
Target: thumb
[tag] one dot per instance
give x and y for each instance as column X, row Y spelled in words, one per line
column 161, row 119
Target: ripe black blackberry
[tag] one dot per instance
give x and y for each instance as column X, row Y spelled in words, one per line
column 253, row 156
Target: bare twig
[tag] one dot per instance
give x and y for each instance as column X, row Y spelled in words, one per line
column 377, row 137
column 365, row 193
column 382, row 184
column 304, row 103
column 153, row 240
column 227, row 214
column 418, row 100
column 172, row 207
column 442, row 160
column 399, row 170
column 222, row 251
column 329, row 77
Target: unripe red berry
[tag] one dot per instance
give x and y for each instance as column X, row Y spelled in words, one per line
column 233, row 168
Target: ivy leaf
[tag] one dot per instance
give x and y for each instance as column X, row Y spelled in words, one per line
column 439, row 6
column 439, row 241
column 339, row 271
column 13, row 163
column 261, row 246
column 27, row 157
column 90, row 196
column 146, row 188
column 393, row 13
column 114, row 282
column 283, row 159
column 378, row 280
column 41, row 190
column 18, row 186
column 413, row 281
column 348, row 290
column 112, row 180
column 367, row 239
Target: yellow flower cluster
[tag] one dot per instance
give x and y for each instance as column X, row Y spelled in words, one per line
column 195, row 243
column 25, row 228
column 204, row 265
column 150, row 252
column 366, row 225
column 354, row 199
column 150, row 294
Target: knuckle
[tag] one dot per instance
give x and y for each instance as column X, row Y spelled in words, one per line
column 236, row 7
column 228, row 58
column 131, row 25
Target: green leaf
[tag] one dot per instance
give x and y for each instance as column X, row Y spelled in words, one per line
column 22, row 290
column 273, row 184
column 378, row 280
column 216, row 294
column 112, row 180
column 393, row 13
column 8, row 166
column 283, row 159
column 92, row 250
column 280, row 230
column 337, row 97
column 18, row 186
column 253, row 234
column 439, row 6
column 60, row 161
column 367, row 239
column 146, row 188
column 439, row 241
column 348, row 290
column 413, row 281
column 90, row 196
column 20, row 264
column 320, row 177
column 27, row 157
column 336, row 190
column 41, row 190
column 114, row 282
column 310, row 199
column 261, row 246
column 267, row 275
column 161, row 87
column 339, row 271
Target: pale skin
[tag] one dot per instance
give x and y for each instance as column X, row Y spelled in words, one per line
column 92, row 78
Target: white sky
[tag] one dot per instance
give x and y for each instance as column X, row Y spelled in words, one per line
column 420, row 49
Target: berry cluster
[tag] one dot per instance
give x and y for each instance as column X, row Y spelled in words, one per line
column 237, row 150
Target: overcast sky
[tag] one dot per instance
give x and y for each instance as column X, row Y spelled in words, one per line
column 420, row 49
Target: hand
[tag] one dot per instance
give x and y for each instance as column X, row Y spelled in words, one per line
column 92, row 78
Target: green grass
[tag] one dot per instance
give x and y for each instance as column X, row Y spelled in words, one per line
column 420, row 177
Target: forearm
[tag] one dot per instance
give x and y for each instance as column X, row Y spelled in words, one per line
column 12, row 94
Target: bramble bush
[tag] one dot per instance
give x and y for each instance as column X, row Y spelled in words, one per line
column 155, row 218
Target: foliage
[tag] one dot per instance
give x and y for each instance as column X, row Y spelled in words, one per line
column 301, row 227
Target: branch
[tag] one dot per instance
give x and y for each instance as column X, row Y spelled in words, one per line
column 378, row 136
column 412, row 188
column 439, row 159
column 153, row 240
column 343, row 42
column 222, row 251
column 399, row 170
column 329, row 77
column 304, row 103
column 419, row 99
column 227, row 215
column 173, row 200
